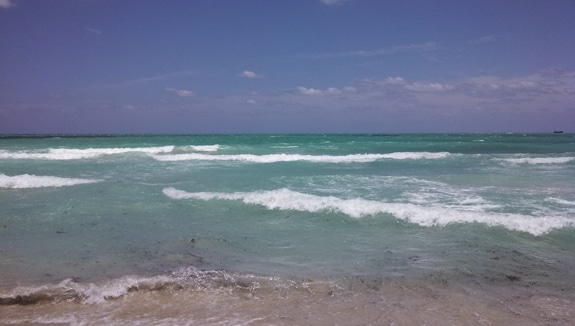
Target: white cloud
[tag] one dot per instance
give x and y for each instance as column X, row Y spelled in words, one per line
column 249, row 74
column 401, row 83
column 428, row 87
column 530, row 92
column 309, row 91
column 6, row 4
column 547, row 90
column 496, row 102
column 181, row 92
column 536, row 83
column 394, row 81
column 327, row 91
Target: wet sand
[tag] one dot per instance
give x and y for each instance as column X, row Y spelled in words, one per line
column 349, row 301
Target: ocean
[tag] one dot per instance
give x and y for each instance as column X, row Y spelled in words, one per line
column 367, row 229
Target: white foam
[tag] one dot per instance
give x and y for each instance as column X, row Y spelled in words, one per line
column 93, row 294
column 34, row 181
column 561, row 201
column 205, row 148
column 76, row 154
column 285, row 199
column 272, row 158
column 539, row 160
column 416, row 155
column 452, row 199
column 89, row 293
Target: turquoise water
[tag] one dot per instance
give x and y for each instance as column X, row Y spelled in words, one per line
column 90, row 219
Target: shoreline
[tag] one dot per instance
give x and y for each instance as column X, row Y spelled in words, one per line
column 223, row 298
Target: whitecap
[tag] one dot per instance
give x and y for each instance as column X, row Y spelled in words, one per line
column 76, row 153
column 285, row 199
column 560, row 201
column 33, row 181
column 205, row 148
column 273, row 158
column 538, row 160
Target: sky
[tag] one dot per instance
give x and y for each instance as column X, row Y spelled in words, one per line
column 286, row 66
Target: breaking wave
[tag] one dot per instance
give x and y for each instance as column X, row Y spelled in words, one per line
column 33, row 181
column 538, row 160
column 76, row 154
column 560, row 201
column 272, row 158
column 205, row 148
column 285, row 199
column 183, row 278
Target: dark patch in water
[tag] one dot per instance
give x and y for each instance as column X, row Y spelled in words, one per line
column 513, row 278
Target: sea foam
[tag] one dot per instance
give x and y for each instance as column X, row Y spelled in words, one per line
column 285, row 199
column 282, row 157
column 205, row 148
column 539, row 160
column 189, row 277
column 76, row 154
column 34, row 181
column 87, row 293
column 560, row 201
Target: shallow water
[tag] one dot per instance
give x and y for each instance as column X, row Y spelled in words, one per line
column 288, row 229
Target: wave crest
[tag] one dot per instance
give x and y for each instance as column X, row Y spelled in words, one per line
column 77, row 154
column 205, row 148
column 273, row 158
column 34, row 181
column 285, row 199
column 70, row 290
column 539, row 160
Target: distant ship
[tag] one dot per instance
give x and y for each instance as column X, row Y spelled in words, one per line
column 558, row 131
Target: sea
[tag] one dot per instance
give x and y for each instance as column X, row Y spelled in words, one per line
column 334, row 229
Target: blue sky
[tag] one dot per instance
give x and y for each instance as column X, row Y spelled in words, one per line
column 275, row 66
